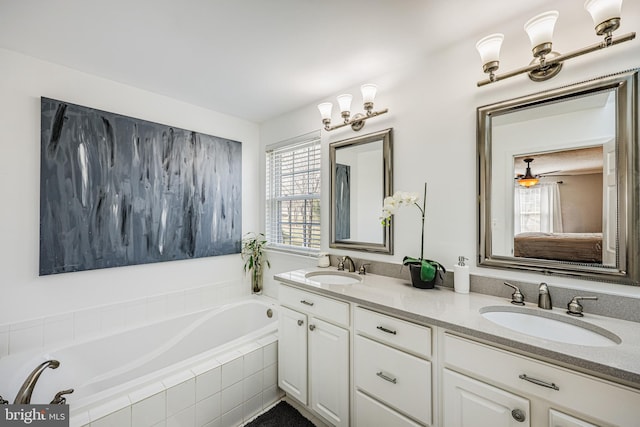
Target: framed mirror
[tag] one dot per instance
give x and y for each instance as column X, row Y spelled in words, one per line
column 361, row 177
column 559, row 181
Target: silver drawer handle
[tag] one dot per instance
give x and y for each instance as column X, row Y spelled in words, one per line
column 306, row 303
column 386, row 378
column 539, row 382
column 383, row 329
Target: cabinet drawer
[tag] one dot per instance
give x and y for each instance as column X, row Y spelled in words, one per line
column 329, row 309
column 604, row 401
column 370, row 412
column 396, row 378
column 398, row 333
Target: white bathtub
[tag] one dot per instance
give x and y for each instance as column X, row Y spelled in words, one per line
column 120, row 366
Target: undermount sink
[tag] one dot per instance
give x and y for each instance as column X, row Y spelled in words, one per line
column 550, row 326
column 334, row 277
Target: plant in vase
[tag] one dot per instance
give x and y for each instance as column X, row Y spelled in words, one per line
column 254, row 257
column 425, row 273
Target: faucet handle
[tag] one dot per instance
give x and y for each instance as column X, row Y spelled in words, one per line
column 341, row 263
column 362, row 270
column 58, row 399
column 574, row 308
column 516, row 298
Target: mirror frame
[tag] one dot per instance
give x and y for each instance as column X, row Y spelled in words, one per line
column 627, row 269
column 386, row 246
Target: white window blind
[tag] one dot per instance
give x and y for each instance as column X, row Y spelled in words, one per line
column 293, row 195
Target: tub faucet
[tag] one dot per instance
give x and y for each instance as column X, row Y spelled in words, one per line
column 352, row 266
column 25, row 392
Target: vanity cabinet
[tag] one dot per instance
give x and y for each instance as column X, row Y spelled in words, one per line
column 392, row 371
column 313, row 352
column 478, row 378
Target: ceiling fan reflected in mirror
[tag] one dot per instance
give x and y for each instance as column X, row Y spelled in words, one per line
column 529, row 179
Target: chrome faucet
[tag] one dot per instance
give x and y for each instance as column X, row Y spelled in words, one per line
column 25, row 392
column 544, row 298
column 352, row 266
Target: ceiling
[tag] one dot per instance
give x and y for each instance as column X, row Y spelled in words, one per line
column 254, row 59
column 563, row 163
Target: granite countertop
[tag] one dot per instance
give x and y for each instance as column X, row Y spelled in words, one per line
column 461, row 313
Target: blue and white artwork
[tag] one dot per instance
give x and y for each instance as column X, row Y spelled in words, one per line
column 118, row 191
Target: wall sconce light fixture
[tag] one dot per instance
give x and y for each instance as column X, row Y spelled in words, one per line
column 344, row 102
column 547, row 63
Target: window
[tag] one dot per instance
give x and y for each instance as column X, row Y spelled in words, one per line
column 293, row 194
column 538, row 209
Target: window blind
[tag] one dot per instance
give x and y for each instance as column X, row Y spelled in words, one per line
column 293, row 195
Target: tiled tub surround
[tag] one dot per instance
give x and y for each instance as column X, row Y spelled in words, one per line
column 461, row 313
column 105, row 319
column 165, row 373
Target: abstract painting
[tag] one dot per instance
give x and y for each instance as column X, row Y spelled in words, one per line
column 116, row 190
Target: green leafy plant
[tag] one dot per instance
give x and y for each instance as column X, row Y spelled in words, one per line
column 428, row 268
column 253, row 254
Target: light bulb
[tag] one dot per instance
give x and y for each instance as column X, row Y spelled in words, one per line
column 540, row 30
column 602, row 11
column 489, row 48
column 344, row 101
column 368, row 93
column 325, row 110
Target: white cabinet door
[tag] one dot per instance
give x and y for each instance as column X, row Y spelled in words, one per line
column 292, row 353
column 471, row 403
column 558, row 419
column 329, row 371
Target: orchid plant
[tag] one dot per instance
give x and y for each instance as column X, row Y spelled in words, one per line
column 428, row 268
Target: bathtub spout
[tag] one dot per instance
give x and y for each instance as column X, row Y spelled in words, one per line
column 25, row 392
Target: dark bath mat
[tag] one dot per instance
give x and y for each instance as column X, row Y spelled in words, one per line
column 281, row 415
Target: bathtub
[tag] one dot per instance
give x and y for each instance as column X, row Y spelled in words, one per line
column 115, row 371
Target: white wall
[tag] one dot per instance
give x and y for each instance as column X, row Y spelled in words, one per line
column 24, row 295
column 432, row 109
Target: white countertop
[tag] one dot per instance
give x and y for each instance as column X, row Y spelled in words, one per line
column 461, row 313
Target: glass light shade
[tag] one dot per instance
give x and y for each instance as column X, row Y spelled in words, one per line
column 603, row 10
column 489, row 47
column 325, row 110
column 345, row 102
column 368, row 92
column 528, row 182
column 540, row 27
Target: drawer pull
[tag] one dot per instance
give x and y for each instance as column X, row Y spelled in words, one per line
column 383, row 329
column 307, row 303
column 312, row 327
column 386, row 378
column 300, row 322
column 539, row 382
